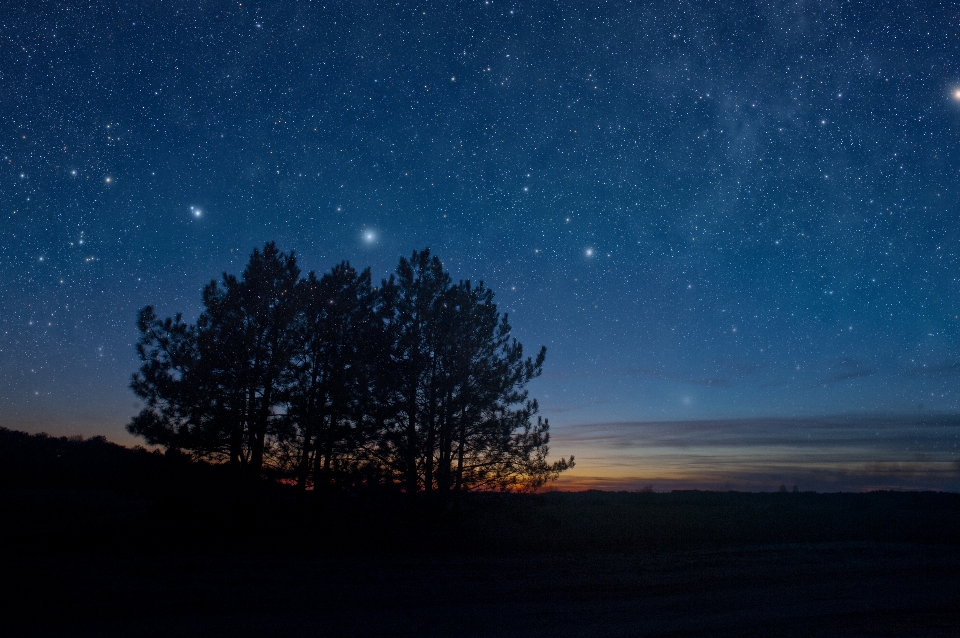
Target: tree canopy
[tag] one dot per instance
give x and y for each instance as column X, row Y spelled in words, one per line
column 415, row 385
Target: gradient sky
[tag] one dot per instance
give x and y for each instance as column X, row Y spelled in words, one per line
column 743, row 214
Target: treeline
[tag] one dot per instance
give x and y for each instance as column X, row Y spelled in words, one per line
column 330, row 382
column 41, row 461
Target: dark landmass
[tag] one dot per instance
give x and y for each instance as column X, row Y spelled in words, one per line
column 98, row 539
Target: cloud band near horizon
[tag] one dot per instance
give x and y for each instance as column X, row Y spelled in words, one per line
column 825, row 454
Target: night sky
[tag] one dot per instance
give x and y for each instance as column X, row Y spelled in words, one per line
column 734, row 225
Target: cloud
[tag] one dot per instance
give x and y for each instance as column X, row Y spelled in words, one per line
column 772, row 384
column 844, row 376
column 709, row 382
column 827, row 453
column 856, row 478
column 572, row 408
column 940, row 370
column 728, row 371
column 712, row 382
column 844, row 370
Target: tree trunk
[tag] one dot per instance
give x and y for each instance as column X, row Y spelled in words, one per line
column 461, row 444
column 237, row 429
column 430, row 441
column 444, row 468
column 303, row 467
column 330, row 439
column 322, row 434
column 410, row 453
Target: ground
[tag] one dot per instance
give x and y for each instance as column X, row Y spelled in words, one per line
column 811, row 589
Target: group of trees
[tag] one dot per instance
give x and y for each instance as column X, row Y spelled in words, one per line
column 415, row 385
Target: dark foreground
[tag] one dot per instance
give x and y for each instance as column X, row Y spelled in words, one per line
column 96, row 540
column 592, row 564
column 827, row 589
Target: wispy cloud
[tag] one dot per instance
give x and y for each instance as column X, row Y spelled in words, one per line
column 844, row 376
column 865, row 477
column 939, row 370
column 722, row 373
column 844, row 370
column 716, row 382
column 572, row 408
column 831, row 453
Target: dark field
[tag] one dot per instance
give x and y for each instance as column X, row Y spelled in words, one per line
column 681, row 564
column 97, row 540
column 822, row 589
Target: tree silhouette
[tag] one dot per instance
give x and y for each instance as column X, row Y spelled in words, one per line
column 338, row 332
column 415, row 385
column 457, row 381
column 172, row 415
column 217, row 388
column 246, row 340
column 412, row 301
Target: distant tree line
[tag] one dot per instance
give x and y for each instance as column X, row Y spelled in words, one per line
column 334, row 383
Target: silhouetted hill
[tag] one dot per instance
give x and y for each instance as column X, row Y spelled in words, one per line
column 76, row 492
column 41, row 461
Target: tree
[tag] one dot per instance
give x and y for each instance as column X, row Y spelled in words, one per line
column 411, row 303
column 171, row 417
column 337, row 337
column 246, row 340
column 417, row 385
column 218, row 388
column 457, row 379
column 488, row 438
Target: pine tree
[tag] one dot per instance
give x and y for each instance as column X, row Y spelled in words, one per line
column 411, row 301
column 416, row 385
column 217, row 388
column 460, row 415
column 165, row 383
column 337, row 329
column 246, row 340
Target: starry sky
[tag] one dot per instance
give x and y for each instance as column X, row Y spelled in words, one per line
column 734, row 225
